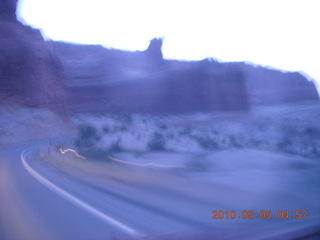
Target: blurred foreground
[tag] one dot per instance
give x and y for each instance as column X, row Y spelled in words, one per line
column 174, row 202
column 162, row 177
column 166, row 175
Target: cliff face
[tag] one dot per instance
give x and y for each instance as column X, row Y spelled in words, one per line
column 266, row 85
column 203, row 86
column 32, row 94
column 109, row 80
column 38, row 73
column 93, row 64
column 8, row 10
column 29, row 73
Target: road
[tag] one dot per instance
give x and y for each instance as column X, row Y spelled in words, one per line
column 38, row 201
column 31, row 210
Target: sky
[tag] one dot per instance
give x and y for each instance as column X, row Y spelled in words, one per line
column 279, row 33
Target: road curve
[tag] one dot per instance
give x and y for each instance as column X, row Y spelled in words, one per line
column 37, row 201
column 49, row 204
column 74, row 200
column 32, row 207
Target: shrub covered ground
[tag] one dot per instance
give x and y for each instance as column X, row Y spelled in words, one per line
column 293, row 129
column 20, row 124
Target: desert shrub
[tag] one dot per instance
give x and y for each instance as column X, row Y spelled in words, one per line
column 157, row 143
column 206, row 142
column 284, row 144
column 170, row 136
column 87, row 136
column 315, row 151
column 123, row 128
column 312, row 131
column 234, row 142
column 105, row 129
column 186, row 131
column 215, row 132
column 162, row 126
column 115, row 147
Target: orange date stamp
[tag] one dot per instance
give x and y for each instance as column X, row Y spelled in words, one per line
column 264, row 214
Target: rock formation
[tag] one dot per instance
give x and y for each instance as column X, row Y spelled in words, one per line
column 153, row 53
column 8, row 10
column 110, row 80
column 266, row 85
column 29, row 73
column 37, row 73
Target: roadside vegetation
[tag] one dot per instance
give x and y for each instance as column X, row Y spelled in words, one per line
column 292, row 129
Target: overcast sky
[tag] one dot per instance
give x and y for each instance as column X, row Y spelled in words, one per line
column 279, row 33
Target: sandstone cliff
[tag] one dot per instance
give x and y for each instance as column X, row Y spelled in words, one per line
column 268, row 85
column 100, row 79
column 29, row 73
column 32, row 94
column 110, row 80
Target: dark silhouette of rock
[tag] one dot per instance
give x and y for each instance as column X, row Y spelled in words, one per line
column 154, row 53
column 110, row 80
column 37, row 73
column 198, row 86
column 267, row 85
column 8, row 10
column 93, row 64
column 29, row 73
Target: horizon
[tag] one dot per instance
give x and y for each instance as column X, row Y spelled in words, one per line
column 191, row 30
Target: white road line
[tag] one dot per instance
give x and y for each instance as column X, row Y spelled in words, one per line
column 75, row 200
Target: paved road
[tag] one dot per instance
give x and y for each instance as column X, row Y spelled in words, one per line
column 40, row 202
column 32, row 210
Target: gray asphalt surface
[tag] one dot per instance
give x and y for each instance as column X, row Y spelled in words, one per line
column 72, row 208
column 30, row 210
